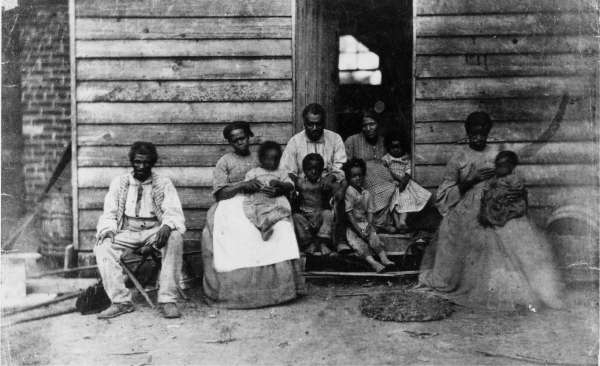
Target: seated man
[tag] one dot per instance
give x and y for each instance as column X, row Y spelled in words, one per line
column 141, row 212
column 316, row 139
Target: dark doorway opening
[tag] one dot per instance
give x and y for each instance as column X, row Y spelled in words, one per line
column 353, row 55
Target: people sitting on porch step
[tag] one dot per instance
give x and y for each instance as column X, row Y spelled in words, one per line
column 263, row 208
column 141, row 212
column 369, row 146
column 316, row 139
column 360, row 207
column 409, row 196
column 313, row 217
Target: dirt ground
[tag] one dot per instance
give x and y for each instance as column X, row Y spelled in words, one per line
column 322, row 328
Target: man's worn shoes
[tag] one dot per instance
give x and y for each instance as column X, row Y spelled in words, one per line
column 169, row 310
column 116, row 309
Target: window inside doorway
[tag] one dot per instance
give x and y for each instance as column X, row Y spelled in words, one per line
column 357, row 64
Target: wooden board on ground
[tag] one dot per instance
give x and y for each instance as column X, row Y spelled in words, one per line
column 330, row 274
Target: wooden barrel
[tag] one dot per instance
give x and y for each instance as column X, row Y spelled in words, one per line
column 56, row 223
column 574, row 233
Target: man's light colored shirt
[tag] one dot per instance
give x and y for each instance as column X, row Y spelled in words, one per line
column 330, row 146
column 171, row 206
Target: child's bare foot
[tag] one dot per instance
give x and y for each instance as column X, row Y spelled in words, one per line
column 385, row 260
column 266, row 235
column 325, row 249
column 391, row 229
column 377, row 267
column 388, row 263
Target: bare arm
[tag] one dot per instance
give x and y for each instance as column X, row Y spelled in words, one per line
column 401, row 179
column 231, row 190
column 364, row 234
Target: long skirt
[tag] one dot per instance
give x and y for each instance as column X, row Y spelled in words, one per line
column 247, row 288
column 502, row 268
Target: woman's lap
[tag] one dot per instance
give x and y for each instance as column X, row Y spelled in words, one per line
column 248, row 287
column 493, row 268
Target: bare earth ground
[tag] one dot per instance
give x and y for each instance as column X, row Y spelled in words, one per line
column 319, row 329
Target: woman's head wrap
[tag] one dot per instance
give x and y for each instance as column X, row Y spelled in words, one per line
column 237, row 125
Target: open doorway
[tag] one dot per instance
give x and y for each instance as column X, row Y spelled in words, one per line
column 352, row 55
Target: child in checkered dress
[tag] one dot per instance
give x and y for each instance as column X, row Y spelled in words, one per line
column 409, row 196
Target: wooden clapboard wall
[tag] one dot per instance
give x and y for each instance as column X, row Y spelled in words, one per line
column 513, row 59
column 174, row 72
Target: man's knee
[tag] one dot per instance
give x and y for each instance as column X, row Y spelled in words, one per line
column 102, row 248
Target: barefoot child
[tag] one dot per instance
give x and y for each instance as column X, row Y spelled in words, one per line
column 268, row 206
column 409, row 196
column 314, row 219
column 505, row 197
column 359, row 209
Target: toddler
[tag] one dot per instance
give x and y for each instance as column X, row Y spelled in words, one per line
column 505, row 197
column 360, row 206
column 269, row 205
column 409, row 196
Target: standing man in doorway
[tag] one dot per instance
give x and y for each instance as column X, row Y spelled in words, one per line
column 316, row 139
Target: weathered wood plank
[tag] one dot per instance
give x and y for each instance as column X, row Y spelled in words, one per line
column 184, row 91
column 182, row 28
column 504, row 65
column 191, row 198
column 183, row 112
column 546, row 153
column 575, row 174
column 184, row 48
column 189, row 69
column 504, row 6
column 507, row 24
column 194, row 219
column 170, row 156
column 535, row 109
column 87, row 239
column 179, row 134
column 182, row 8
column 181, row 177
column 449, row 132
column 553, row 196
column 504, row 87
column 506, row 44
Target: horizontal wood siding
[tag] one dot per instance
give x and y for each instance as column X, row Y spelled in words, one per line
column 175, row 73
column 513, row 59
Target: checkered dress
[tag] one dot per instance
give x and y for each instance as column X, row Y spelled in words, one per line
column 414, row 197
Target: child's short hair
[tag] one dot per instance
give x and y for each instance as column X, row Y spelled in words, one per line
column 511, row 156
column 313, row 157
column 396, row 135
column 266, row 146
column 354, row 163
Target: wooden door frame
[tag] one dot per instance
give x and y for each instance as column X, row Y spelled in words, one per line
column 298, row 126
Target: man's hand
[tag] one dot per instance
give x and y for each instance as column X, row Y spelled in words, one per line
column 106, row 235
column 163, row 236
column 482, row 174
column 251, row 186
column 271, row 191
column 329, row 179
